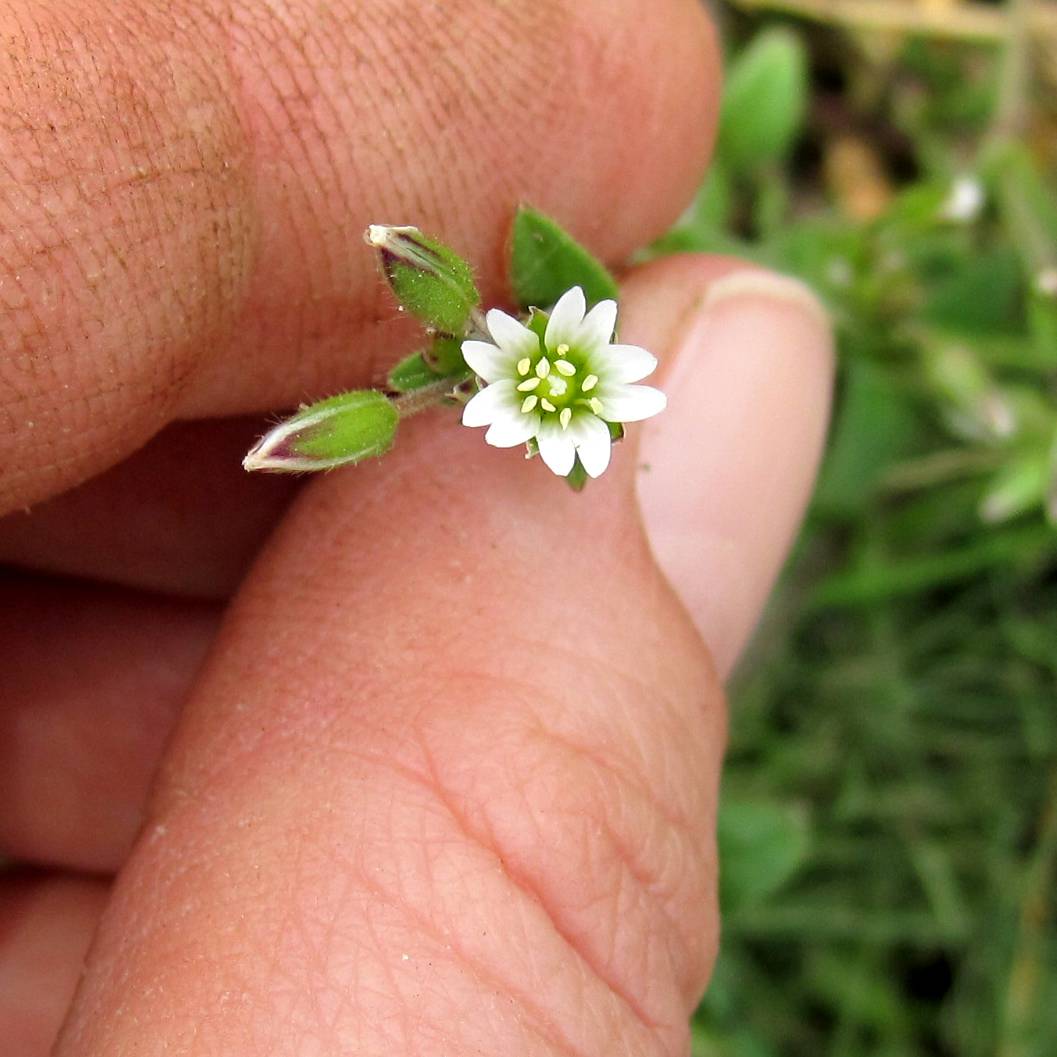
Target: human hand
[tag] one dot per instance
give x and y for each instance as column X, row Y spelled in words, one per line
column 447, row 780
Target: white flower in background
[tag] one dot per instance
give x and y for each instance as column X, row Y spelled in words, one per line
column 965, row 201
column 562, row 390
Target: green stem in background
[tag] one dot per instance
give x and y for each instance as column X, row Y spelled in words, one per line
column 1012, row 105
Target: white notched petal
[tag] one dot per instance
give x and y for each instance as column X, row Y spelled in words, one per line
column 593, row 443
column 488, row 361
column 631, row 403
column 511, row 336
column 510, row 430
column 566, row 319
column 626, row 363
column 490, row 403
column 597, row 327
column 556, row 448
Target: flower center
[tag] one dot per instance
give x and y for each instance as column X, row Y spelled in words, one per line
column 556, row 385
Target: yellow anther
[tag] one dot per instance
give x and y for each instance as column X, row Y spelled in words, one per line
column 562, row 349
column 523, row 365
column 566, row 417
column 528, row 384
column 565, row 367
column 589, row 383
column 596, row 405
column 543, row 368
column 547, row 405
column 529, row 403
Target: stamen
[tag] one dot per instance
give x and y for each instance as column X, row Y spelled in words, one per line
column 566, row 368
column 523, row 365
column 596, row 405
column 529, row 403
column 589, row 383
column 528, row 384
column 562, row 349
column 547, row 405
column 566, row 417
column 543, row 368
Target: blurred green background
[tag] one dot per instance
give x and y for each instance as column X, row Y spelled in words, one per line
column 889, row 822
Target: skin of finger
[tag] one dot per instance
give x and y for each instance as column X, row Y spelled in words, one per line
column 46, row 924
column 663, row 301
column 457, row 750
column 93, row 679
column 185, row 187
column 180, row 516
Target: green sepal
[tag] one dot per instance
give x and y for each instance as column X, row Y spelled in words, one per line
column 443, row 359
column 616, row 431
column 577, row 477
column 428, row 278
column 537, row 323
column 341, row 430
column 546, row 261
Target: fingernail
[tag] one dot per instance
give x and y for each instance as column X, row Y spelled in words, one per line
column 727, row 471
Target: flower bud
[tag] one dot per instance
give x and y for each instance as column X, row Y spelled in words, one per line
column 343, row 429
column 431, row 281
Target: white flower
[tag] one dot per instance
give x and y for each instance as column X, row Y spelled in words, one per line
column 562, row 390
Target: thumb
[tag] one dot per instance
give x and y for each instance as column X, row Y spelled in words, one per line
column 447, row 783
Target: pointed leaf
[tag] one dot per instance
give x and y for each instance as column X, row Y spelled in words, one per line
column 546, row 261
column 411, row 373
column 764, row 102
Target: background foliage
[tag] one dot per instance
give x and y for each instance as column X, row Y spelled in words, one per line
column 889, row 826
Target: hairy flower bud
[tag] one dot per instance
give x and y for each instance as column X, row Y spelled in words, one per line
column 431, row 281
column 344, row 429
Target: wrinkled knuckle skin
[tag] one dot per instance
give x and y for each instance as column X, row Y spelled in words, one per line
column 485, row 865
column 615, row 846
column 124, row 228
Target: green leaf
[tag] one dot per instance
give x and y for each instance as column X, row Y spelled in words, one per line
column 546, row 261
column 1021, row 485
column 334, row 432
column 430, row 280
column 874, row 426
column 411, row 373
column 761, row 846
column 979, row 292
column 764, row 102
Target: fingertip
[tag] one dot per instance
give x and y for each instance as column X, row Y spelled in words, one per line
column 729, row 468
column 651, row 70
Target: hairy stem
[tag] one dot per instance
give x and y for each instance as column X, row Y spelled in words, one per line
column 408, row 404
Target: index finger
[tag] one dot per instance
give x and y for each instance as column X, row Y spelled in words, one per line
column 185, row 185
